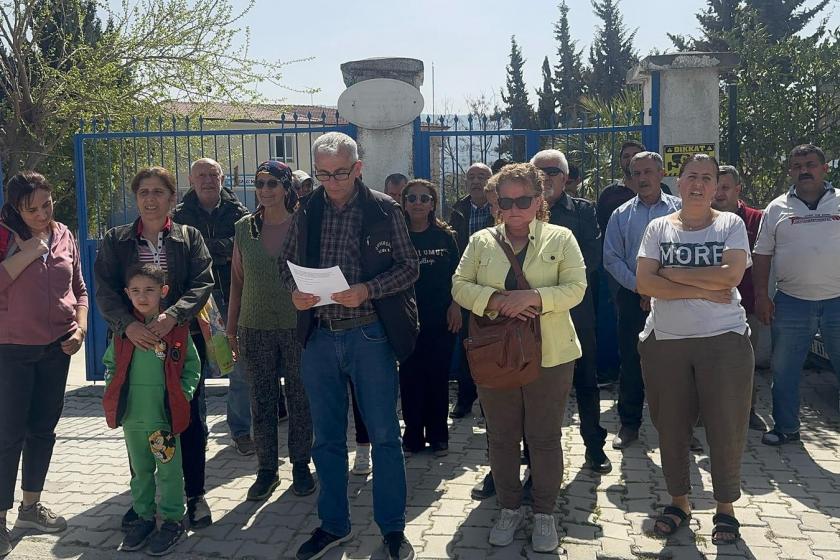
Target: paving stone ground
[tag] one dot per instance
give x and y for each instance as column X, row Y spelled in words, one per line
column 790, row 508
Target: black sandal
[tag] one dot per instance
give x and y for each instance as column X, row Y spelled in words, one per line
column 725, row 524
column 669, row 521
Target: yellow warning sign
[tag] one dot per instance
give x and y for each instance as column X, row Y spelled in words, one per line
column 676, row 154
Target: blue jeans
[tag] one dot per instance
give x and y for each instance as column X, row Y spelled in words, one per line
column 363, row 356
column 795, row 323
column 238, row 402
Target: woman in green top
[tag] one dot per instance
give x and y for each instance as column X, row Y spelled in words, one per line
column 261, row 329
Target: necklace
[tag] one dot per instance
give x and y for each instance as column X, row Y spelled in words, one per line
column 688, row 227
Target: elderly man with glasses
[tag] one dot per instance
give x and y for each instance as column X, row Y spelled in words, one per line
column 578, row 215
column 357, row 336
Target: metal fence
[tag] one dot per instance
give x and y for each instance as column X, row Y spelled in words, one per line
column 105, row 160
column 447, row 145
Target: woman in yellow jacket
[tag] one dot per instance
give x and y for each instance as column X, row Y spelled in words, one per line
column 485, row 284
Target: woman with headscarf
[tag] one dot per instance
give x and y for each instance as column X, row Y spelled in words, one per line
column 261, row 329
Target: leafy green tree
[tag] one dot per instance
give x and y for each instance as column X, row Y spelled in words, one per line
column 780, row 18
column 785, row 18
column 517, row 109
column 716, row 21
column 788, row 94
column 569, row 83
column 611, row 54
column 546, row 117
column 58, row 64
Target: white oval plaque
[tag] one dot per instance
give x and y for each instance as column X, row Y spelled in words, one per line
column 380, row 104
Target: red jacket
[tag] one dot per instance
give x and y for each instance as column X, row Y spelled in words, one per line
column 116, row 394
column 752, row 219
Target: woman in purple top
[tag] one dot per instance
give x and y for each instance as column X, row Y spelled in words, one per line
column 43, row 320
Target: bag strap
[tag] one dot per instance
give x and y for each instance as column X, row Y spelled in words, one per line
column 521, row 282
column 8, row 245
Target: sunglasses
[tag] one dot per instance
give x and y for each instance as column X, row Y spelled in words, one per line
column 522, row 202
column 551, row 171
column 424, row 198
column 271, row 183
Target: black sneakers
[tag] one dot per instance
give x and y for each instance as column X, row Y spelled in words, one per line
column 137, row 534
column 303, row 483
column 5, row 541
column 484, row 489
column 199, row 513
column 164, row 540
column 264, row 486
column 319, row 544
column 394, row 547
column 129, row 520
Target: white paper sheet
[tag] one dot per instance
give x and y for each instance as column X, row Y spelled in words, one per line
column 322, row 282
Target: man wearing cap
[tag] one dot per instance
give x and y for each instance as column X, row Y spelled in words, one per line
column 355, row 335
column 304, row 182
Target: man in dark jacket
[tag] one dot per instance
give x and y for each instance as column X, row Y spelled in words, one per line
column 355, row 335
column 728, row 199
column 468, row 215
column 214, row 210
column 578, row 215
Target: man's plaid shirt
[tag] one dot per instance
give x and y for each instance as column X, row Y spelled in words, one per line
column 341, row 231
column 479, row 217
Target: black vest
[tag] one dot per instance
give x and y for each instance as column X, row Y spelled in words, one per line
column 398, row 312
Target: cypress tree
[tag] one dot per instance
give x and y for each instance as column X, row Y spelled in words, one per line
column 546, row 117
column 569, row 84
column 611, row 54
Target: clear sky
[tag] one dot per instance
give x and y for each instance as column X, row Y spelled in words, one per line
column 467, row 40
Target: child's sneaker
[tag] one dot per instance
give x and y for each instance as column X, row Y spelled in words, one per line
column 40, row 517
column 138, row 535
column 165, row 539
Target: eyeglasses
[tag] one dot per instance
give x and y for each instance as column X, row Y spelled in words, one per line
column 270, row 183
column 522, row 202
column 551, row 171
column 424, row 198
column 338, row 175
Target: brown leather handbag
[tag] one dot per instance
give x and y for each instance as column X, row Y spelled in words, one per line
column 505, row 352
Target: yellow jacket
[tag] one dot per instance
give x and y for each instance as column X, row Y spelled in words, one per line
column 553, row 266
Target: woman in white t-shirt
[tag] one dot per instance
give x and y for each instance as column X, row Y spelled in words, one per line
column 695, row 348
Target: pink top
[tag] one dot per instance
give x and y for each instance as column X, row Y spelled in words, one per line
column 39, row 306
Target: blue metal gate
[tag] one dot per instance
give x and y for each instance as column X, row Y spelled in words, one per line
column 105, row 161
column 445, row 146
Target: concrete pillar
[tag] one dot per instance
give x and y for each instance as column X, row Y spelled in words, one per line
column 686, row 105
column 383, row 109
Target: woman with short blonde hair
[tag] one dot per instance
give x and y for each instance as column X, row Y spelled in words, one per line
column 485, row 284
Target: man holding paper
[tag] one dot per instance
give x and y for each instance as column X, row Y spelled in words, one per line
column 357, row 336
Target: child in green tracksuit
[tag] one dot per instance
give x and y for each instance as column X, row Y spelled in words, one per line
column 147, row 392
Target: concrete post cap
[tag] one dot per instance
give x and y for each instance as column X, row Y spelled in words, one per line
column 408, row 70
column 682, row 61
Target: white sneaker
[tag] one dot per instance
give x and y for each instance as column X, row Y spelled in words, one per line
column 505, row 528
column 544, row 537
column 361, row 464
